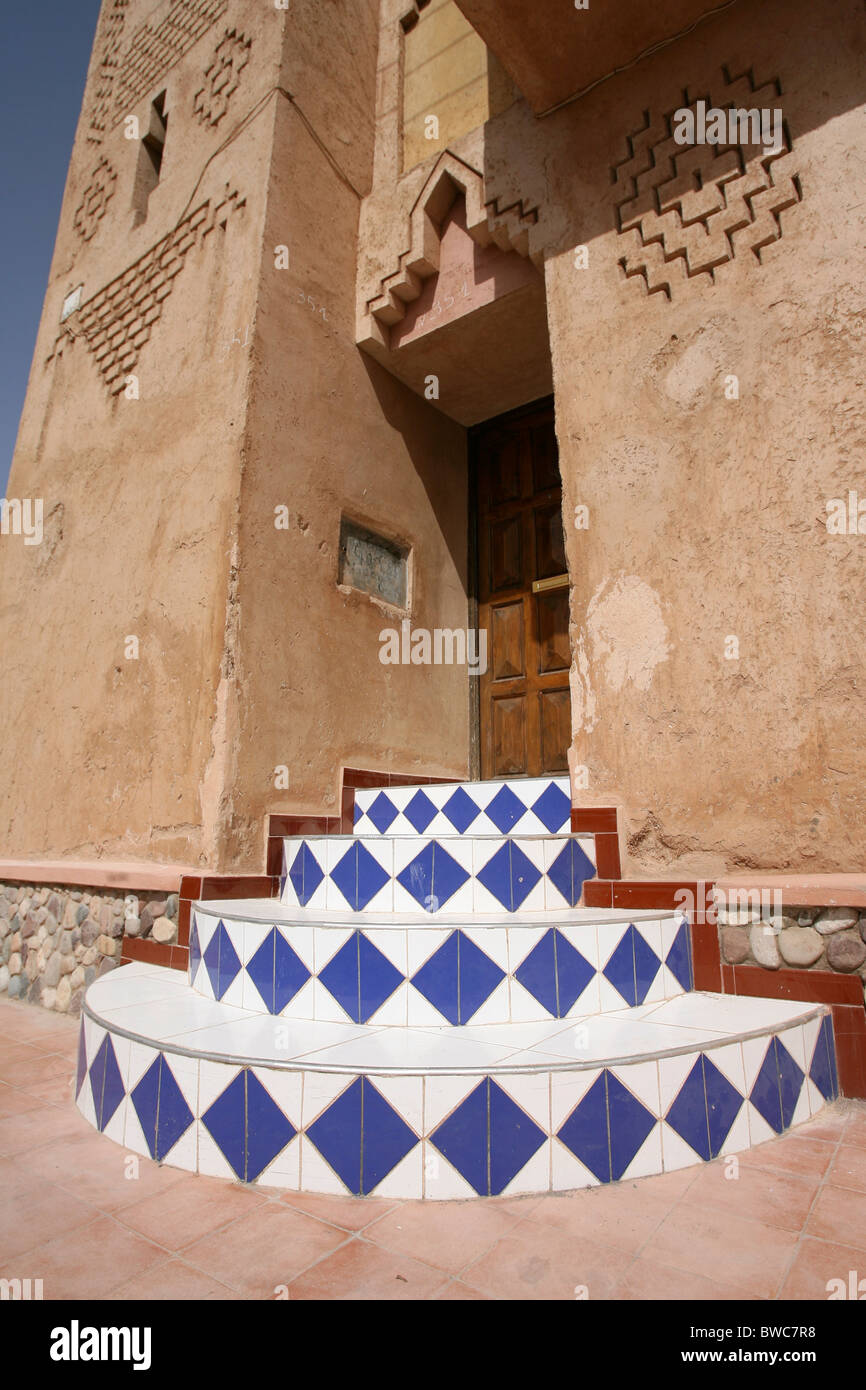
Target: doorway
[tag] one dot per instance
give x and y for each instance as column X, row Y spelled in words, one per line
column 522, row 703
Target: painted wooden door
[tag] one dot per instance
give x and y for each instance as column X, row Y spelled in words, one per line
column 525, row 708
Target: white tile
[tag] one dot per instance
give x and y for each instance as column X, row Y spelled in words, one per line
column 302, row 1005
column 394, row 1012
column 285, row 1170
column 443, row 1094
column 327, row 942
column 442, row 1182
column 567, row 1171
column 676, row 1153
column 496, row 1007
column 211, row 1160
column 321, row 1090
column 567, row 1091
column 531, row 1092
column 648, row 1159
column 247, row 937
column 493, row 941
column 317, row 1175
column 420, row 1012
column 534, row 1176
column 392, row 943
column 406, row 1178
column 523, row 1007
column 325, row 1007
column 422, row 943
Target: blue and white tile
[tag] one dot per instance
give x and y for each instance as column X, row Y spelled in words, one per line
column 314, row 894
column 670, row 929
column 321, row 1089
column 456, row 850
column 811, row 1033
column 568, row 1089
column 641, row 1080
column 754, row 1055
column 405, row 1095
column 532, row 1094
column 610, row 936
column 184, row 1070
column 554, row 898
column 793, row 1039
column 381, row 852
column 442, row 1182
column 286, row 1090
column 493, row 853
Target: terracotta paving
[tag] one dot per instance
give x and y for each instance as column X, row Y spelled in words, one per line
column 94, row 1222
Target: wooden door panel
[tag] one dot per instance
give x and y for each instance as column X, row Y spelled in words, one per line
column 509, row 737
column 507, row 647
column 525, row 707
column 506, row 554
column 553, row 647
column 555, row 711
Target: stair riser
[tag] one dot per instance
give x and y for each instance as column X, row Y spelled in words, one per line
column 452, row 811
column 514, row 874
column 430, row 976
column 451, row 1135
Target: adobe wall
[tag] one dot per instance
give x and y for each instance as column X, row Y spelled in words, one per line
column 706, row 514
column 330, row 433
column 104, row 754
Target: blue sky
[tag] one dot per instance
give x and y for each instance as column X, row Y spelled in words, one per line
column 43, row 65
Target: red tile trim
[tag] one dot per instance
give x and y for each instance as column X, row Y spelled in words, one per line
column 237, row 886
column 151, row 952
column 183, row 916
column 818, row 986
column 597, row 894
column 705, row 959
column 591, row 820
column 607, row 856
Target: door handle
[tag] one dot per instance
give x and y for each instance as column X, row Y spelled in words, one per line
column 558, row 581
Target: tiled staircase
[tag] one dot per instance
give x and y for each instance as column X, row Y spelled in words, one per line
column 428, row 1011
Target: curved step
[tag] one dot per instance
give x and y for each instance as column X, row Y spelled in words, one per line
column 469, row 873
column 437, row 1113
column 406, row 969
column 523, row 806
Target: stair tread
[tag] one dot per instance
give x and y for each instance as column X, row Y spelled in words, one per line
column 271, row 910
column 156, row 1006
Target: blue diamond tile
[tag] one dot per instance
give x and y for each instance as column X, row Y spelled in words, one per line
column 458, row 978
column 509, row 876
column 679, row 958
column 553, row 808
column 488, row 1139
column 569, row 871
column 221, row 961
column 161, row 1108
column 277, row 972
column 584, row 1132
column 382, row 813
column 632, row 967
column 460, row 810
column 306, row 874
column 823, row 1068
column 777, row 1087
column 360, row 977
column 359, row 876
column 194, row 950
column 106, row 1082
column 705, row 1109
column 362, row 1137
column 420, row 811
column 607, row 1128
column 248, row 1126
column 432, row 877
column 505, row 809
column 82, row 1061
column 357, row 813
column 555, row 973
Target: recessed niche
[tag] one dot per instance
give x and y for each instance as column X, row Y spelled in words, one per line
column 373, row 564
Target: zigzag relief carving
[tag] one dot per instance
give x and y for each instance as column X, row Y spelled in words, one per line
column 222, row 77
column 158, row 44
column 689, row 209
column 94, row 202
column 117, row 321
column 508, row 227
column 112, row 38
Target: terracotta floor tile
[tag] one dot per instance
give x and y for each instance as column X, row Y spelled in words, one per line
column 87, row 1166
column 362, row 1271
column 647, row 1279
column 39, row 1066
column 816, row 1263
column 91, row 1261
column 173, row 1281
column 855, row 1131
column 540, row 1262
column 457, row 1292
column 839, row 1215
column 829, row 1125
column 189, row 1211
column 350, row 1213
column 21, row 1133
column 449, row 1235
column 15, row 1102
column 621, row 1215
column 23, row 1021
column 781, row 1199
column 792, row 1154
column 264, row 1250
column 724, row 1248
column 15, row 1057
column 54, row 1090
column 848, row 1168
column 37, row 1214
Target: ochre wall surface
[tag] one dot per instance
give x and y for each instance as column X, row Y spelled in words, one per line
column 707, row 514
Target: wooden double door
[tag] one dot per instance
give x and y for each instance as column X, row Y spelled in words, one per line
column 524, row 701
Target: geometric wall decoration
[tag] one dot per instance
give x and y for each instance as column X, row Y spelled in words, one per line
column 685, row 210
column 95, row 200
column 171, row 30
column 116, row 322
column 222, row 77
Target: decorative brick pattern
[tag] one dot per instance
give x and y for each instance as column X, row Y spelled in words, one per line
column 686, row 210
column 116, row 323
column 222, row 77
column 111, row 39
column 93, row 205
column 157, row 45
